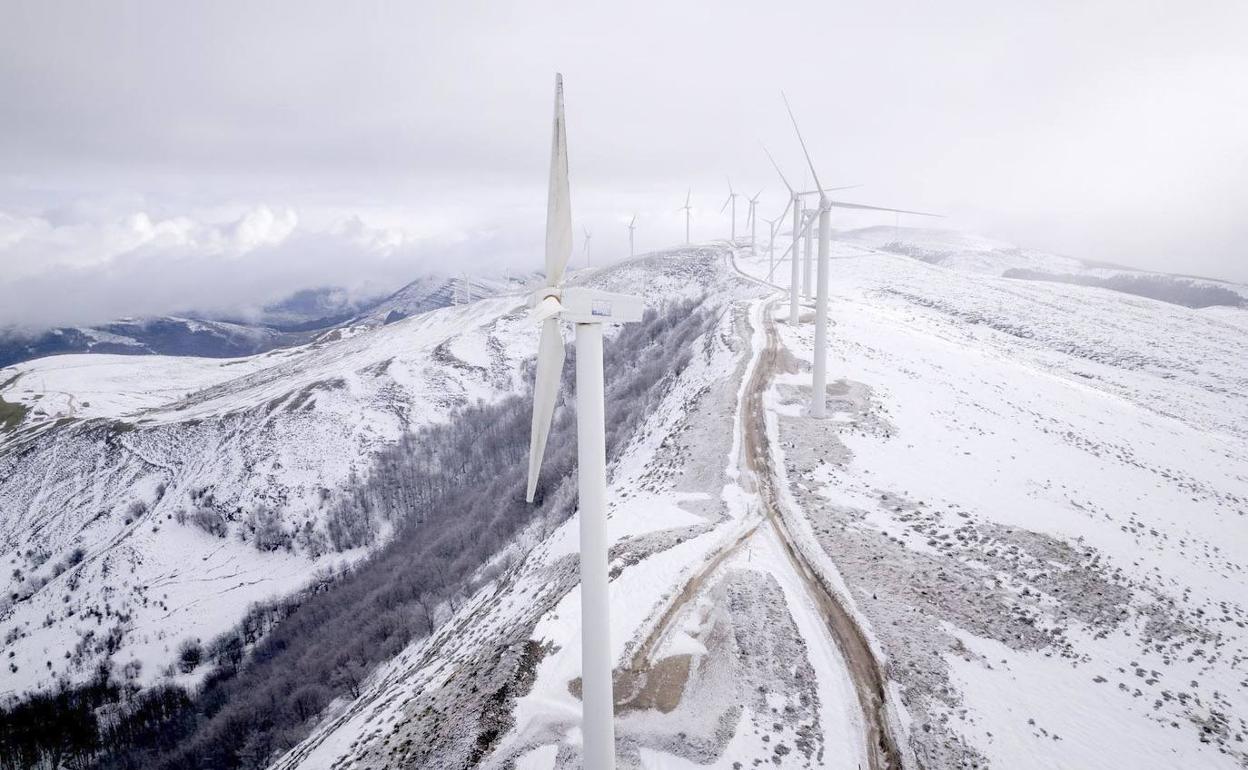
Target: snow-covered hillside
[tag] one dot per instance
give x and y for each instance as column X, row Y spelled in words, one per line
column 973, row 253
column 1029, row 501
column 1020, row 540
column 1038, row 496
column 437, row 291
column 117, row 457
column 721, row 649
column 293, row 321
column 168, row 335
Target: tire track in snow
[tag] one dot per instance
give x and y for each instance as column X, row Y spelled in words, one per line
column 883, row 751
column 850, row 643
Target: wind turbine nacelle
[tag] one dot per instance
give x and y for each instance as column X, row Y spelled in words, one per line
column 591, row 306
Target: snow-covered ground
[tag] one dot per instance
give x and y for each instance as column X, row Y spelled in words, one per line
column 723, row 657
column 1037, row 493
column 1029, row 499
column 114, row 450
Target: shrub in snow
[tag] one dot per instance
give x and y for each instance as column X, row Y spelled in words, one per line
column 132, row 669
column 267, row 530
column 226, row 650
column 350, row 523
column 311, row 540
column 190, row 653
column 209, row 521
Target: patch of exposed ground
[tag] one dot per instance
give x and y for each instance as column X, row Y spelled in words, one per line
column 754, row 681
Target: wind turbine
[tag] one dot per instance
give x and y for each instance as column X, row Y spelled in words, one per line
column 588, row 237
column 819, row 384
column 751, row 221
column 632, row 225
column 795, row 202
column 732, row 198
column 588, row 310
column 688, row 211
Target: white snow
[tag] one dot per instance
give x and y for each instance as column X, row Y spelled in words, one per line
column 1114, row 423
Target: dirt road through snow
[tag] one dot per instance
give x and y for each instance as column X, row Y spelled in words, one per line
column 868, row 678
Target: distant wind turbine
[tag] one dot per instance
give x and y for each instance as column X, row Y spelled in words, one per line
column 588, row 310
column 588, row 236
column 771, row 245
column 751, row 223
column 632, row 225
column 795, row 202
column 688, row 211
column 819, row 383
column 731, row 199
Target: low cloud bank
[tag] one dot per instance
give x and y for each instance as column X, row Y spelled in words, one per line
column 59, row 270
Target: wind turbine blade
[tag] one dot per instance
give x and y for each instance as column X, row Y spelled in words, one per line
column 829, row 189
column 731, row 192
column 632, row 222
column 687, row 194
column 777, row 168
column 806, row 152
column 545, row 393
column 843, row 205
column 559, row 200
column 726, row 202
column 788, row 204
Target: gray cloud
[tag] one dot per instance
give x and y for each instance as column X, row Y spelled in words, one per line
column 1109, row 129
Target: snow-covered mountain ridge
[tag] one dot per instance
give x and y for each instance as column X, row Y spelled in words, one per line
column 121, row 456
column 298, row 319
column 1024, row 496
column 1015, row 543
column 977, row 254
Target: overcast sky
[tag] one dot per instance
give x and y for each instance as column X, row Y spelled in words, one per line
column 156, row 158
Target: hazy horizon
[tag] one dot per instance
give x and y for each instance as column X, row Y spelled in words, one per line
column 157, row 158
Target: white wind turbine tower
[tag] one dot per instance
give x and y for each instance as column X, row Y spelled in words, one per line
column 809, row 232
column 588, row 237
column 753, row 224
column 732, row 198
column 819, row 383
column 587, row 309
column 688, row 212
column 632, row 225
column 795, row 202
